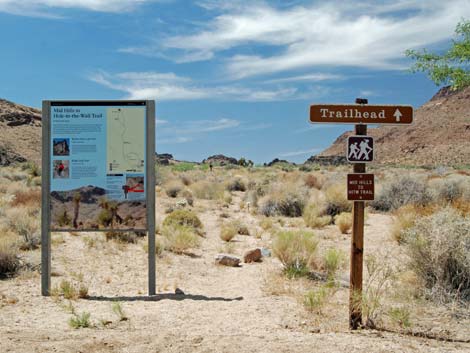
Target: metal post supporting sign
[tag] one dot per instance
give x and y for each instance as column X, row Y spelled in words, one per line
column 98, row 172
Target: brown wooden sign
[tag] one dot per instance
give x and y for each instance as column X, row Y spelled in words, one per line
column 361, row 114
column 361, row 187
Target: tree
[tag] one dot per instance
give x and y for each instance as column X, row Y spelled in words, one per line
column 453, row 67
column 76, row 208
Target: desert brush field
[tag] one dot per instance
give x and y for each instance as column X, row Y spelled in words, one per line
column 290, row 229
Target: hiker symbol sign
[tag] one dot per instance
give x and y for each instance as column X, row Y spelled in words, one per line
column 360, row 149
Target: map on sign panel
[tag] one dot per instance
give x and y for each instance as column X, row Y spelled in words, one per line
column 126, row 141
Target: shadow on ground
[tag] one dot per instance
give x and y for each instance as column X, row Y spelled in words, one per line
column 163, row 296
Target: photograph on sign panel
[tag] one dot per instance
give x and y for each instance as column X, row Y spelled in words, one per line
column 102, row 186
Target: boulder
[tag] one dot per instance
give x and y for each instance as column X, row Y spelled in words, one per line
column 220, row 159
column 252, row 256
column 227, row 260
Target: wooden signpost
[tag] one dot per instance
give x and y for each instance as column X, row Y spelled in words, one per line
column 360, row 184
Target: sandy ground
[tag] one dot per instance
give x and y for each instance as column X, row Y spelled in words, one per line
column 223, row 309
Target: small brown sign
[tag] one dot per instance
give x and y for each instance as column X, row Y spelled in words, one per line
column 361, row 114
column 361, row 187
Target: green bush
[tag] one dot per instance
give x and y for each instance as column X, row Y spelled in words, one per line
column 313, row 218
column 184, row 218
column 236, row 184
column 183, row 167
column 296, row 251
column 289, row 203
column 439, row 251
column 179, row 238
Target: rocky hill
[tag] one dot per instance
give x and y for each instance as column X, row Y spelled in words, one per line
column 20, row 133
column 440, row 134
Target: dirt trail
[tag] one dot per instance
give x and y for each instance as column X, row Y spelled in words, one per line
column 223, row 310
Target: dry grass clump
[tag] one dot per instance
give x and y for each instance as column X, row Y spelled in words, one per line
column 449, row 189
column 26, row 223
column 314, row 218
column 179, row 238
column 296, row 250
column 236, row 184
column 70, row 290
column 186, row 179
column 173, row 188
column 122, row 237
column 344, row 222
column 228, row 231
column 336, row 200
column 439, row 250
column 31, row 197
column 184, row 218
column 404, row 218
column 333, row 260
column 9, row 259
column 188, row 196
column 313, row 181
column 206, row 190
column 402, row 191
column 284, row 201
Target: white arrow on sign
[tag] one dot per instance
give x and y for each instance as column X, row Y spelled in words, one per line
column 397, row 115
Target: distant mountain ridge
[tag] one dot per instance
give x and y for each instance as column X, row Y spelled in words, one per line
column 439, row 135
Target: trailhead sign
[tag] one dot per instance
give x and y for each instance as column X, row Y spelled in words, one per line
column 360, row 149
column 98, row 166
column 361, row 114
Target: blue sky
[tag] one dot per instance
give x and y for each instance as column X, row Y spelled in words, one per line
column 231, row 77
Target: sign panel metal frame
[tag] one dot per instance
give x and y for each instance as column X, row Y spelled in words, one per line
column 149, row 176
column 358, row 137
column 363, row 121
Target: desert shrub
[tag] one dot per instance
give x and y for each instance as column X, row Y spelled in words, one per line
column 122, row 237
column 251, row 197
column 119, row 311
column 401, row 316
column 25, row 223
column 312, row 181
column 71, row 290
column 296, row 251
column 32, row 168
column 9, row 260
column 449, row 190
column 179, row 238
column 336, row 200
column 27, row 198
column 439, row 251
column 236, row 184
column 344, row 222
column 161, row 174
column 228, row 232
column 283, row 202
column 80, row 320
column 184, row 218
column 332, row 261
column 313, row 218
column 266, row 223
column 188, row 196
column 206, row 190
column 315, row 300
column 400, row 192
column 173, row 188
column 241, row 227
column 185, row 179
column 404, row 218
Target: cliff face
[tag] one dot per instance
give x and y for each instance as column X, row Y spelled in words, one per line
column 20, row 133
column 440, row 134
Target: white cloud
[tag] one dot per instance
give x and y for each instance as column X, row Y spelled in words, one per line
column 42, row 8
column 168, row 86
column 300, row 153
column 363, row 33
column 317, row 77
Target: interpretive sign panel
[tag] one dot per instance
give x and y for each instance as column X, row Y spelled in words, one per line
column 361, row 114
column 98, row 166
column 360, row 149
column 361, row 187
